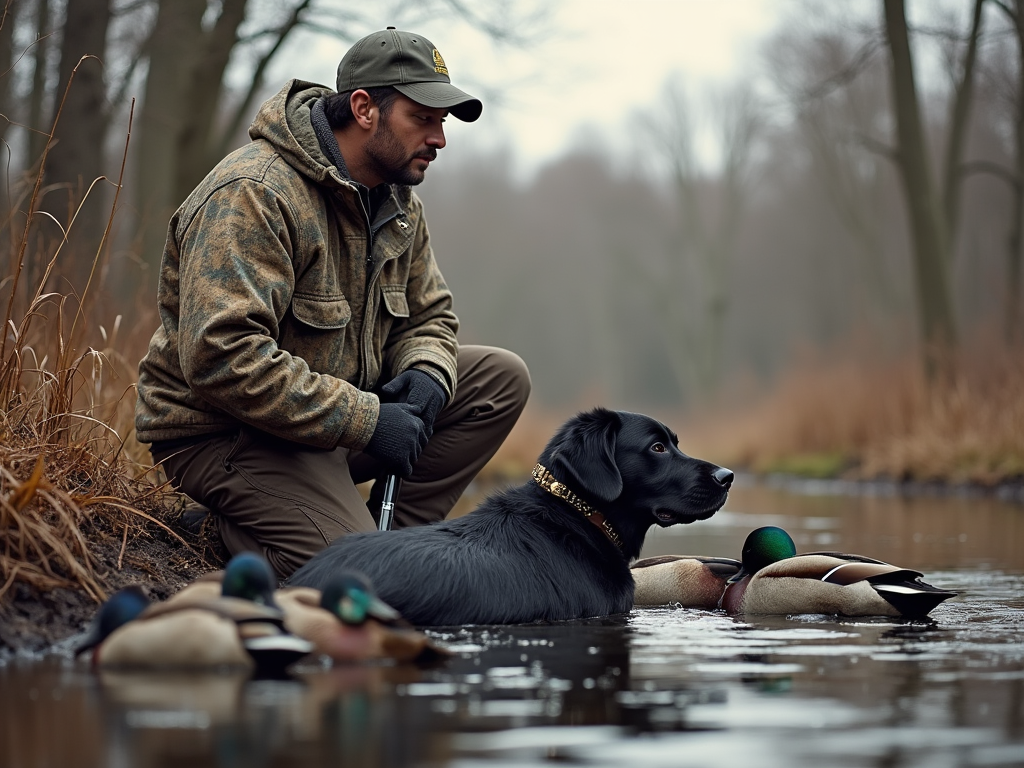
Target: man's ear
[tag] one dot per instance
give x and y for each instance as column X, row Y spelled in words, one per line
column 363, row 109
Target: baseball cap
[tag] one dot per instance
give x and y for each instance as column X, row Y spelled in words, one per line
column 412, row 65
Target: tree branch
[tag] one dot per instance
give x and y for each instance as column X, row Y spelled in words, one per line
column 879, row 148
column 846, row 75
column 992, row 169
column 1005, row 9
column 243, row 109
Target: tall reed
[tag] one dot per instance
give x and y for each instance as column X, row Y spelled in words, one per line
column 66, row 481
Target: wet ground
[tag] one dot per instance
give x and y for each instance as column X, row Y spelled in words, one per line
column 657, row 687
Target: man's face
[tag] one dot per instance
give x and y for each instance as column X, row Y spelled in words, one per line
column 406, row 141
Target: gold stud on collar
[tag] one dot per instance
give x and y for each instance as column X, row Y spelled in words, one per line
column 543, row 478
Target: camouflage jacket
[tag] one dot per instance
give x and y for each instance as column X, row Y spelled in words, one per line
column 278, row 307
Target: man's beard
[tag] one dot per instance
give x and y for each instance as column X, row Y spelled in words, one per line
column 389, row 158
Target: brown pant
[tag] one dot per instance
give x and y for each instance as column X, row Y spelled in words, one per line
column 289, row 500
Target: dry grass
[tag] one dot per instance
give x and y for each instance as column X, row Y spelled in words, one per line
column 67, row 485
column 845, row 416
column 864, row 419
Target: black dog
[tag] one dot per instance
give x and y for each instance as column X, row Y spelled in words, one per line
column 557, row 547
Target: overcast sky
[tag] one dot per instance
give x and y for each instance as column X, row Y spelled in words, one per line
column 601, row 60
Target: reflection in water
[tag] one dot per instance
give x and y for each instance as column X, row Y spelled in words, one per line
column 657, row 687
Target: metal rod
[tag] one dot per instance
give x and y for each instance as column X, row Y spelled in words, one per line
column 387, row 505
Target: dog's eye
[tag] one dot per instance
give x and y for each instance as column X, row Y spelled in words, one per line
column 659, row 448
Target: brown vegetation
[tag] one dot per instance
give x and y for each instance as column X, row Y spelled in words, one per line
column 78, row 515
column 861, row 419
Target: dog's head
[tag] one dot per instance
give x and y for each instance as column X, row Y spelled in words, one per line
column 630, row 468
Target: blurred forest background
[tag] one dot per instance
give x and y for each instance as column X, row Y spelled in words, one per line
column 815, row 269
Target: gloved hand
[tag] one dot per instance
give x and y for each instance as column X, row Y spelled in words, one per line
column 398, row 438
column 417, row 389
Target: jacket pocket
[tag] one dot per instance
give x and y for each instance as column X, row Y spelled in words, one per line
column 317, row 331
column 323, row 313
column 395, row 300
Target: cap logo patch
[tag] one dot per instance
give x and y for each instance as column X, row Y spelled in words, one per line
column 439, row 66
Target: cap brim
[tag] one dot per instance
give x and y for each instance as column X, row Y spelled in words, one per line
column 443, row 96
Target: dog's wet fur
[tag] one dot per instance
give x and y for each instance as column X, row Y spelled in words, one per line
column 525, row 555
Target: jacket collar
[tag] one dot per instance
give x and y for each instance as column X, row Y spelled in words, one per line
column 375, row 200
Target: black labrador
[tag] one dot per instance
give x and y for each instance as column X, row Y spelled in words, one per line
column 557, row 547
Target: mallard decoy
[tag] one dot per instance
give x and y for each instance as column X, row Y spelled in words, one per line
column 199, row 630
column 692, row 581
column 348, row 622
column 773, row 579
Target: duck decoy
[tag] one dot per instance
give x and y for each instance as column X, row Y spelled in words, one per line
column 240, row 627
column 348, row 622
column 772, row 579
column 692, row 581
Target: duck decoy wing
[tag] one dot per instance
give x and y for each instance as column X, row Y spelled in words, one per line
column 850, row 572
column 902, row 588
column 846, row 556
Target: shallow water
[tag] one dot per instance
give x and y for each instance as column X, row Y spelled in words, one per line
column 657, row 687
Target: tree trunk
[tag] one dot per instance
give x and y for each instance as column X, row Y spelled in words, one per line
column 1013, row 319
column 36, row 102
column 197, row 140
column 7, row 116
column 174, row 53
column 931, row 263
column 959, row 118
column 7, row 16
column 76, row 158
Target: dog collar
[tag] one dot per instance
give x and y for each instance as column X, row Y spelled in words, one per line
column 547, row 481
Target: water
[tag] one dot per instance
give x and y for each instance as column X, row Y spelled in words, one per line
column 657, row 687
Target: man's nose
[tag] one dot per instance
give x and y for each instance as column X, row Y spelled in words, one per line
column 436, row 138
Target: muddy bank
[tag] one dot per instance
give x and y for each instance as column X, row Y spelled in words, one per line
column 34, row 620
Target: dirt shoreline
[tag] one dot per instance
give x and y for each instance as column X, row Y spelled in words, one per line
column 36, row 622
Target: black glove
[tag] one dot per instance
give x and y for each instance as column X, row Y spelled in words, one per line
column 418, row 389
column 398, row 438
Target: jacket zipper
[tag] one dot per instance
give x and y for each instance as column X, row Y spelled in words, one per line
column 374, row 273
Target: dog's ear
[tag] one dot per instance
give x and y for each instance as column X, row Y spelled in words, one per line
column 585, row 456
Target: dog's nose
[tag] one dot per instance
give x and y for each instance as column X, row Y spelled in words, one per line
column 723, row 476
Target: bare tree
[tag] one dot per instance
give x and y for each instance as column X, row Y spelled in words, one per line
column 929, row 234
column 37, row 109
column 1013, row 312
column 178, row 101
column 695, row 295
column 963, row 76
column 75, row 160
column 7, row 19
column 835, row 115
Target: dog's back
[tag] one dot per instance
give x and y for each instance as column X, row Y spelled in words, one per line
column 512, row 560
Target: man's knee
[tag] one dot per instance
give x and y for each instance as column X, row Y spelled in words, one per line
column 515, row 380
column 498, row 375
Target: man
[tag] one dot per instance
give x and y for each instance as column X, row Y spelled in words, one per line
column 307, row 340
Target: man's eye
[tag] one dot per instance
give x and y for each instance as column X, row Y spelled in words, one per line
column 659, row 448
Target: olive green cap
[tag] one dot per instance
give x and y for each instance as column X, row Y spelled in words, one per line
column 412, row 65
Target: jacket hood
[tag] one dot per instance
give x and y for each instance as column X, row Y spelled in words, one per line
column 283, row 120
